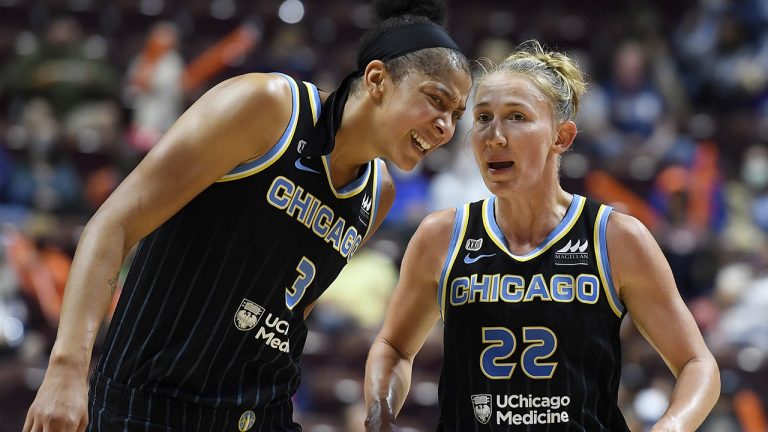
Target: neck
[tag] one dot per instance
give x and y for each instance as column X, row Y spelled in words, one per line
column 353, row 142
column 526, row 219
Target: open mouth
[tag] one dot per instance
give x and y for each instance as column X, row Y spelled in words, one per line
column 420, row 142
column 500, row 165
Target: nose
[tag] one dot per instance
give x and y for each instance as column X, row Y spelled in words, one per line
column 495, row 135
column 445, row 127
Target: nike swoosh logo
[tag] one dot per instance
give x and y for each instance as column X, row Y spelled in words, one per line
column 303, row 167
column 471, row 260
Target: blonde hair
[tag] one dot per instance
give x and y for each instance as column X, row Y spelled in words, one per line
column 555, row 74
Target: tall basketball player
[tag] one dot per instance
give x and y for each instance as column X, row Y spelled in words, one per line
column 248, row 208
column 532, row 283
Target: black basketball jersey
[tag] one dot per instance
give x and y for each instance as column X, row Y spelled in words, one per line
column 531, row 342
column 212, row 309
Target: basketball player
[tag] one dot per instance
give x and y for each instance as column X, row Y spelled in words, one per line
column 247, row 210
column 533, row 282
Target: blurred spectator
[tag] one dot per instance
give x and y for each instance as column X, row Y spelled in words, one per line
column 42, row 177
column 638, row 123
column 63, row 68
column 636, row 104
column 153, row 89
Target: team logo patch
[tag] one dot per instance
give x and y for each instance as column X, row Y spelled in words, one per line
column 247, row 420
column 481, row 404
column 248, row 315
column 474, row 244
column 573, row 253
column 301, row 146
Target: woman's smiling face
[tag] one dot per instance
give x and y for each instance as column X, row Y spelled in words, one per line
column 421, row 115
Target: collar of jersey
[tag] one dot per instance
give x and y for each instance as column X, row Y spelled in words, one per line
column 495, row 233
column 354, row 187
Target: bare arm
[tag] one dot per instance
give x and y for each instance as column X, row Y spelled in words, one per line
column 236, row 121
column 412, row 312
column 648, row 289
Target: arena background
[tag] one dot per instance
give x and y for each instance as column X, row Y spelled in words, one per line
column 674, row 130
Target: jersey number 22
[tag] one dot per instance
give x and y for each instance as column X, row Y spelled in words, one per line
column 541, row 344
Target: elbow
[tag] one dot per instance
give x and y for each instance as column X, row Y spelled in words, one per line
column 715, row 376
column 708, row 373
column 102, row 228
column 401, row 353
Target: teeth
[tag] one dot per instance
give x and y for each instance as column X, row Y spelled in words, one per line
column 422, row 143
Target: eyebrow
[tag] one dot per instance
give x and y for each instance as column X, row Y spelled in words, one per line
column 449, row 96
column 508, row 104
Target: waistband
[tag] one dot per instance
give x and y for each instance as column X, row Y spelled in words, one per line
column 177, row 414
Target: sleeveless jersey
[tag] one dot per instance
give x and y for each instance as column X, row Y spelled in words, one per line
column 212, row 310
column 531, row 342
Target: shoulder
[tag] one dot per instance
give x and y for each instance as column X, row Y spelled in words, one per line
column 626, row 231
column 439, row 223
column 632, row 249
column 434, row 231
column 248, row 111
column 428, row 248
column 251, row 92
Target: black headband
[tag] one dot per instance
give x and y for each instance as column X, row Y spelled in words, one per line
column 403, row 40
column 393, row 43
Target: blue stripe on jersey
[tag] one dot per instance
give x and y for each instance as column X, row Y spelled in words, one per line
column 314, row 101
column 352, row 188
column 264, row 161
column 603, row 266
column 136, row 322
column 495, row 233
column 377, row 170
column 459, row 228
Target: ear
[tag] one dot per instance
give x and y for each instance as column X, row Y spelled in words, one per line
column 373, row 78
column 566, row 133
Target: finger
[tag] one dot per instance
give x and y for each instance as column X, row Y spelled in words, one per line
column 28, row 422
column 37, row 426
column 83, row 423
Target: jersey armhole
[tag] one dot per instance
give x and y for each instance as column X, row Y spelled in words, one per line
column 376, row 166
column 603, row 264
column 459, row 229
column 314, row 101
column 273, row 154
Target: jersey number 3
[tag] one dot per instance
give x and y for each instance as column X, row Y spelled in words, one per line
column 541, row 341
column 294, row 293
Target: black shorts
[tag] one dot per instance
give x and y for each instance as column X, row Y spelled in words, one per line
column 113, row 407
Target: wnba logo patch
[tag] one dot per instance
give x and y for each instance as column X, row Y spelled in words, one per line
column 481, row 404
column 474, row 244
column 248, row 315
column 247, row 420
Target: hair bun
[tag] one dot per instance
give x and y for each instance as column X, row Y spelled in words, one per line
column 435, row 10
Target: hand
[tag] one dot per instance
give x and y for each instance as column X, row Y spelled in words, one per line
column 61, row 404
column 380, row 419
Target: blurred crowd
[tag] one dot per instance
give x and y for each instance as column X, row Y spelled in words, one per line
column 673, row 130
